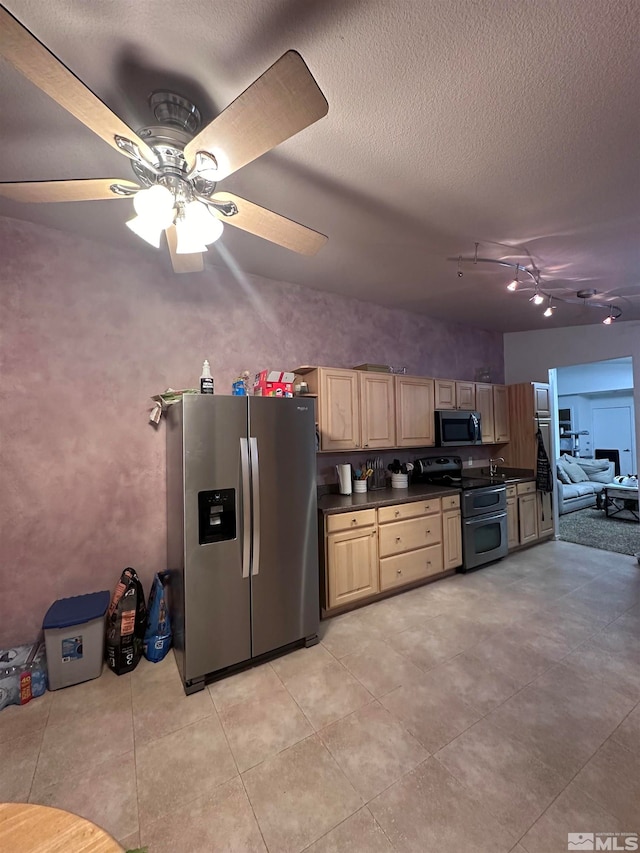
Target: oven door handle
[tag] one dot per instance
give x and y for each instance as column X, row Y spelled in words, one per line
column 486, row 490
column 484, row 519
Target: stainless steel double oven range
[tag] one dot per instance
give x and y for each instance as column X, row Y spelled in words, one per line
column 483, row 507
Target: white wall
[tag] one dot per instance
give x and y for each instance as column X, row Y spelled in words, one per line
column 583, row 407
column 528, row 356
column 611, row 375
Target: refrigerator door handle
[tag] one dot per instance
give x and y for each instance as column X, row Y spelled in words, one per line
column 246, row 507
column 255, row 481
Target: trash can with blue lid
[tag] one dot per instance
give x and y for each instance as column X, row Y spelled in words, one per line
column 74, row 637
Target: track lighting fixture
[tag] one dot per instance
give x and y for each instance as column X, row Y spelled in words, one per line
column 582, row 297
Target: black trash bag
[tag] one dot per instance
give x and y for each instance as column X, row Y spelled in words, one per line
column 126, row 624
column 544, row 477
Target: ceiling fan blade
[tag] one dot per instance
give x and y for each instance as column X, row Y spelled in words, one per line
column 82, row 190
column 269, row 225
column 31, row 58
column 182, row 263
column 280, row 103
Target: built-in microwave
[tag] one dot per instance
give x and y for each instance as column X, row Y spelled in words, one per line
column 455, row 428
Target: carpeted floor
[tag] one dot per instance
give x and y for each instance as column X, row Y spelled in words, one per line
column 591, row 527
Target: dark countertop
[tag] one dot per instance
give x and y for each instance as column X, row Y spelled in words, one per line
column 328, row 504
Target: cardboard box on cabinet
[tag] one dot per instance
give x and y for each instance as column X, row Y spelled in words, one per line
column 273, row 383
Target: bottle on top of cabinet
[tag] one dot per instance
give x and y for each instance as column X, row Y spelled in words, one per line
column 206, row 379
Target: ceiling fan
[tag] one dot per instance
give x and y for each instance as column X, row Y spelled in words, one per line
column 178, row 163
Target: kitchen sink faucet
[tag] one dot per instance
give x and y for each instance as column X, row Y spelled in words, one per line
column 493, row 465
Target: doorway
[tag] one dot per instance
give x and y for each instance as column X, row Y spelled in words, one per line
column 613, row 428
column 595, row 430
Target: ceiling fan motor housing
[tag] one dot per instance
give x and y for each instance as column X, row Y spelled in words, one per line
column 168, row 144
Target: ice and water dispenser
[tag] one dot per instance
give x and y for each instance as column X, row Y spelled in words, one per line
column 216, row 515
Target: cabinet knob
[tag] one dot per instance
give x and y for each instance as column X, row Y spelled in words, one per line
column 354, row 521
column 399, row 571
column 398, row 539
column 428, row 562
column 428, row 532
column 397, row 513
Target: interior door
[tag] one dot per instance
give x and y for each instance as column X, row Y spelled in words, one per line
column 613, row 428
column 285, row 601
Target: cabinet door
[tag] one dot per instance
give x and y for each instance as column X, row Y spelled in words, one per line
column 484, row 405
column 377, row 410
column 528, row 518
column 545, row 514
column 339, row 409
column 500, row 414
column 414, row 412
column 452, row 539
column 445, row 393
column 541, row 400
column 352, row 565
column 466, row 396
column 513, row 535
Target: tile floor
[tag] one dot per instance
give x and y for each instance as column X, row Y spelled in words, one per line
column 492, row 712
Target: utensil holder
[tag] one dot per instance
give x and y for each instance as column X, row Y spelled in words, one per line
column 359, row 486
column 399, row 481
column 377, row 480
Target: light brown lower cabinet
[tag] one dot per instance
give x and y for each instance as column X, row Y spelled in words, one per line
column 452, row 539
column 405, row 568
column 545, row 514
column 529, row 514
column 352, row 565
column 528, row 518
column 513, row 532
column 371, row 551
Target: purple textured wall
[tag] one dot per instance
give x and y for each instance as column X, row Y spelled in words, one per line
column 89, row 333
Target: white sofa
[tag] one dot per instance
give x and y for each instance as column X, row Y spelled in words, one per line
column 572, row 496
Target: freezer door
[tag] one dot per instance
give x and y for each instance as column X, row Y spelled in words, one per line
column 284, row 580
column 217, row 619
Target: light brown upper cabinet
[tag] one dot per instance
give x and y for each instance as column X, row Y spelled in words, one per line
column 338, row 409
column 484, row 405
column 542, row 400
column 466, row 395
column 454, row 395
column 414, row 412
column 500, row 414
column 377, row 410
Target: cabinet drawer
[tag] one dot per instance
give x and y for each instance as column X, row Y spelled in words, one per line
column 512, row 491
column 351, row 520
column 526, row 488
column 410, row 510
column 405, row 568
column 451, row 502
column 409, row 535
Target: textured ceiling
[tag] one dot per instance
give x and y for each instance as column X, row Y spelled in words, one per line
column 514, row 123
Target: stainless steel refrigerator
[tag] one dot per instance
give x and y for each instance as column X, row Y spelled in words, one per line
column 242, row 537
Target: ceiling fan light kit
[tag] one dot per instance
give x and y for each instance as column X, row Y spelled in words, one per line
column 584, row 297
column 176, row 162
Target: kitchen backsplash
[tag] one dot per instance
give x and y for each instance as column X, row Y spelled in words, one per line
column 471, row 457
